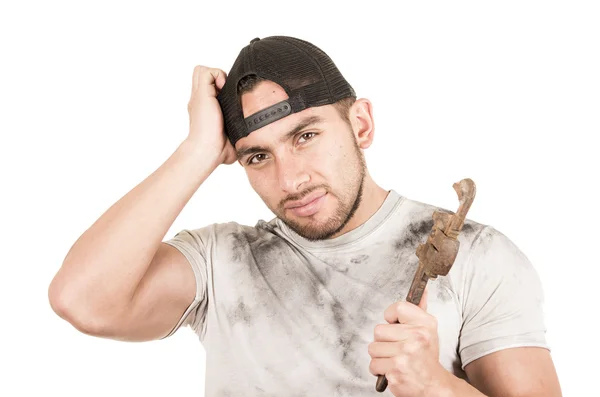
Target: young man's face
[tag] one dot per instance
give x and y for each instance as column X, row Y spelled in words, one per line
column 311, row 179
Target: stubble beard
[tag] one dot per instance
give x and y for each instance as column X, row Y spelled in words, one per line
column 348, row 204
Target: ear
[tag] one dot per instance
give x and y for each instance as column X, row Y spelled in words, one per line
column 363, row 124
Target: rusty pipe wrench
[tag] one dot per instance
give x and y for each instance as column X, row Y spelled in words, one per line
column 437, row 254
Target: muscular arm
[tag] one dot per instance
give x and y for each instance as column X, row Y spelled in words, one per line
column 503, row 313
column 516, row 372
column 119, row 280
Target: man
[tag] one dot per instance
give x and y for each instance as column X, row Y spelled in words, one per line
column 296, row 305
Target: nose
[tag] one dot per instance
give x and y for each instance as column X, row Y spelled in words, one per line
column 292, row 174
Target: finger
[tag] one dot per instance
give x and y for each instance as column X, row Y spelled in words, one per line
column 393, row 332
column 405, row 313
column 220, row 80
column 196, row 76
column 384, row 349
column 381, row 366
column 204, row 76
column 212, row 76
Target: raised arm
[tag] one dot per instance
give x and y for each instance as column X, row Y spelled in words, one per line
column 119, row 280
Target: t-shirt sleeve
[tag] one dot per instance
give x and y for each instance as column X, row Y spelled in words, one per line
column 193, row 245
column 502, row 299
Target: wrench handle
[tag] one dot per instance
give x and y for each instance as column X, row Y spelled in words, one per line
column 414, row 296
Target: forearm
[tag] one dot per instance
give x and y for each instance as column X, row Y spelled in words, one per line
column 111, row 257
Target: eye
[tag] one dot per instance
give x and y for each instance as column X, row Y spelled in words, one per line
column 251, row 160
column 311, row 134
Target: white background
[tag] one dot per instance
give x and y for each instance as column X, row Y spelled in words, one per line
column 93, row 98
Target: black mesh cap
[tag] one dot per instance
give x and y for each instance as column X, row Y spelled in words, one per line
column 305, row 72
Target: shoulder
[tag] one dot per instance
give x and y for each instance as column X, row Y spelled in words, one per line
column 225, row 229
column 231, row 234
column 236, row 234
column 481, row 246
column 475, row 237
column 488, row 264
column 419, row 216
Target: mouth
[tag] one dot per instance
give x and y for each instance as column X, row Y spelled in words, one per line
column 308, row 206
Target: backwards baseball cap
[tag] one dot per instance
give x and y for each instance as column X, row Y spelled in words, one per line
column 305, row 72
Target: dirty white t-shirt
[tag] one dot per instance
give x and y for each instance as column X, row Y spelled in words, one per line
column 280, row 315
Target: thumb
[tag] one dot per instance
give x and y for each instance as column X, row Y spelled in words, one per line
column 423, row 302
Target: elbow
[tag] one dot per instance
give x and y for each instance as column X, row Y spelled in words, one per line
column 75, row 308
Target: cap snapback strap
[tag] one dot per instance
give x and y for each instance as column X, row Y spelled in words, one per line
column 267, row 116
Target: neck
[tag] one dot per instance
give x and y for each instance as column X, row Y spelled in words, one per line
column 373, row 197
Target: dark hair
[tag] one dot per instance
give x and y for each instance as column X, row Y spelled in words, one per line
column 248, row 83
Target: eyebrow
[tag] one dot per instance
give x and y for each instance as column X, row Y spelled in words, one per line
column 307, row 122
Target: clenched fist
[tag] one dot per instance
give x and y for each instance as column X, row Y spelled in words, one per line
column 206, row 119
column 406, row 351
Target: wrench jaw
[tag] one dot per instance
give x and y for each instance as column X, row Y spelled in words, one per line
column 465, row 189
column 438, row 254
